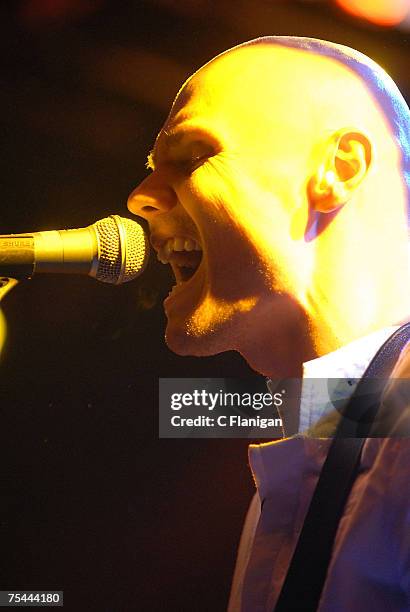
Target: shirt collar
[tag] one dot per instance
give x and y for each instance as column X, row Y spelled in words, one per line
column 331, row 380
column 333, row 377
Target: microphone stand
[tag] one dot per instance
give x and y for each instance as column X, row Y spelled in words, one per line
column 6, row 284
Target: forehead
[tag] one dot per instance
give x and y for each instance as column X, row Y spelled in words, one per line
column 226, row 93
column 228, row 78
column 253, row 92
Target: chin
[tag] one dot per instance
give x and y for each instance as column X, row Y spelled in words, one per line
column 182, row 342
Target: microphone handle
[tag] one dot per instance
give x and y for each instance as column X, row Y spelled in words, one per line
column 73, row 251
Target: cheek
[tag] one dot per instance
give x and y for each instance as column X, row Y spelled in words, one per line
column 244, row 217
column 232, row 264
column 208, row 199
column 217, row 194
column 241, row 220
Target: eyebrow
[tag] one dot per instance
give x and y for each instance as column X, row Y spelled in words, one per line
column 150, row 163
column 173, row 137
column 152, row 155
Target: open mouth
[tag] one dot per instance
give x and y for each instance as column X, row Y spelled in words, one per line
column 184, row 255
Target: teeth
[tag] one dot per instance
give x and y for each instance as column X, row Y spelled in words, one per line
column 167, row 250
column 177, row 244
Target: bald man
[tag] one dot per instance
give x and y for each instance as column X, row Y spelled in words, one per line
column 278, row 195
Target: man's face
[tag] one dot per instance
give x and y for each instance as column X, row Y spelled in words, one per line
column 225, row 202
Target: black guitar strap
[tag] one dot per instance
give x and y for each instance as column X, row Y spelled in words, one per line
column 307, row 571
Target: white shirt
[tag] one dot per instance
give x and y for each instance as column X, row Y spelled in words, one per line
column 370, row 565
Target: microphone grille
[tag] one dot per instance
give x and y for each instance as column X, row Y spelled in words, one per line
column 122, row 249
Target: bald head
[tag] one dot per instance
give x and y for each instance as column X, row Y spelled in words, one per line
column 324, row 76
column 263, row 86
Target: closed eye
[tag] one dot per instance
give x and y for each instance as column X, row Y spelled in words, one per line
column 184, row 150
column 196, row 162
column 188, row 166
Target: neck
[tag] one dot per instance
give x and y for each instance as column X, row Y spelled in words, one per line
column 357, row 306
column 361, row 278
column 278, row 339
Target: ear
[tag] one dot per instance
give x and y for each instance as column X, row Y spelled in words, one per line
column 346, row 158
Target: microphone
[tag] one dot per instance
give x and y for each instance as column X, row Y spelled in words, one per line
column 112, row 250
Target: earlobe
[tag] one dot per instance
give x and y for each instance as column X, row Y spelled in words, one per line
column 345, row 160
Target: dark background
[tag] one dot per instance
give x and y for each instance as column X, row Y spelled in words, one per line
column 92, row 502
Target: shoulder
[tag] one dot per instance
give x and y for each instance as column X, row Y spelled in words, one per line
column 394, row 413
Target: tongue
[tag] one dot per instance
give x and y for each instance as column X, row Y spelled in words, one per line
column 185, row 273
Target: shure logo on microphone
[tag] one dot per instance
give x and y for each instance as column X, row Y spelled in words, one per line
column 6, row 244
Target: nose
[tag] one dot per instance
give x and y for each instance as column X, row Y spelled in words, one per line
column 152, row 197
